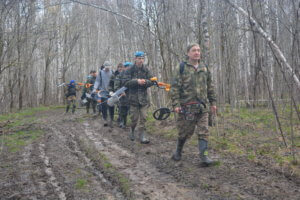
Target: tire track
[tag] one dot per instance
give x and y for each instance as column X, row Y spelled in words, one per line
column 102, row 188
column 49, row 171
column 146, row 181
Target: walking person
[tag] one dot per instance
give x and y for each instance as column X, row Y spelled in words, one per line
column 87, row 92
column 192, row 92
column 138, row 84
column 105, row 85
column 124, row 103
column 71, row 96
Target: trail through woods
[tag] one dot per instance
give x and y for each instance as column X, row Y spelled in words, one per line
column 78, row 158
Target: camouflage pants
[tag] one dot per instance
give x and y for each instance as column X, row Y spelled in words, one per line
column 186, row 128
column 71, row 100
column 138, row 116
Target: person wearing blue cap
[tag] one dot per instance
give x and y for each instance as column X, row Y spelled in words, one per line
column 139, row 80
column 124, row 104
column 71, row 96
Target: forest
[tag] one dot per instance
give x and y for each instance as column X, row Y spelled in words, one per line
column 251, row 47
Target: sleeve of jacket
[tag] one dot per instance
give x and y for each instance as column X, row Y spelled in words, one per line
column 97, row 82
column 148, row 82
column 211, row 94
column 175, row 89
column 111, row 86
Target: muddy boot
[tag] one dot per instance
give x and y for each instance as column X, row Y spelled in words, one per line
column 131, row 134
column 73, row 109
column 205, row 160
column 87, row 110
column 177, row 155
column 143, row 138
column 105, row 122
column 67, row 109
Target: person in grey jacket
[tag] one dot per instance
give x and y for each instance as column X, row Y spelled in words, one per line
column 105, row 85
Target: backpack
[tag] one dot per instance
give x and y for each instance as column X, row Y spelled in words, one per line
column 71, row 91
column 181, row 67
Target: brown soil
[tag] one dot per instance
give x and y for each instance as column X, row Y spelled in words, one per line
column 65, row 164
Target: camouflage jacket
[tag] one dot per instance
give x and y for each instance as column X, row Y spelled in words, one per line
column 119, row 82
column 192, row 85
column 138, row 93
column 90, row 80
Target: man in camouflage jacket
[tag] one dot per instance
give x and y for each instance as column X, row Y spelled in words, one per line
column 191, row 92
column 90, row 80
column 124, row 103
column 137, row 95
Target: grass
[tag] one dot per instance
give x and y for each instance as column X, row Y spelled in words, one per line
column 253, row 133
column 250, row 133
column 18, row 130
column 81, row 184
column 15, row 141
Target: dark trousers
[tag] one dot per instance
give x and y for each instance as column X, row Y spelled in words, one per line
column 105, row 107
column 123, row 111
column 93, row 102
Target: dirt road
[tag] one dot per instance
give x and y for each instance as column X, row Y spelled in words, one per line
column 77, row 158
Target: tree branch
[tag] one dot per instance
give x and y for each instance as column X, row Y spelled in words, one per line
column 271, row 43
column 113, row 12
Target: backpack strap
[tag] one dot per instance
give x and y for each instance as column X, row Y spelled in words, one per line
column 181, row 67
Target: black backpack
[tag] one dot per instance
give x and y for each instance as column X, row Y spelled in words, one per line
column 181, row 69
column 71, row 91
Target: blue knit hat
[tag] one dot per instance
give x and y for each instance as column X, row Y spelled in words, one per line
column 72, row 81
column 139, row 54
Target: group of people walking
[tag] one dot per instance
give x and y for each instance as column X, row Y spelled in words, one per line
column 192, row 93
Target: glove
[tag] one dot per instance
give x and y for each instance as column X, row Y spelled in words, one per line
column 111, row 93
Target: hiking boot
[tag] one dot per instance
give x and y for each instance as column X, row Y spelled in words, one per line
column 177, row 155
column 105, row 122
column 205, row 160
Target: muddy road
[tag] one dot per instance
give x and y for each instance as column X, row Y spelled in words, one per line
column 76, row 157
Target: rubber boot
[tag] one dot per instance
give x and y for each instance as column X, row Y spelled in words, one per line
column 67, row 109
column 143, row 138
column 177, row 155
column 105, row 122
column 205, row 160
column 131, row 135
column 73, row 109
